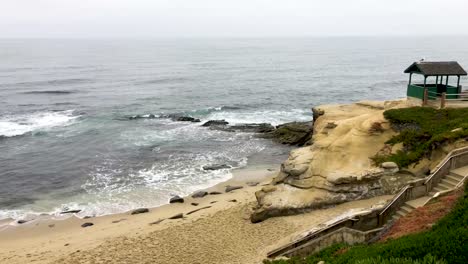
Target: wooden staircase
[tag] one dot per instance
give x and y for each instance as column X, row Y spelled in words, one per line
column 448, row 182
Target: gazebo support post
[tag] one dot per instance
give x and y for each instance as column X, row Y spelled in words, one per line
column 411, row 74
column 442, row 100
column 425, row 97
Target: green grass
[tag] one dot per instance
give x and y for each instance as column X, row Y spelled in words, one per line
column 445, row 242
column 423, row 129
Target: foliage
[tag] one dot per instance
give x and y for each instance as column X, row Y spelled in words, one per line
column 447, row 240
column 423, row 129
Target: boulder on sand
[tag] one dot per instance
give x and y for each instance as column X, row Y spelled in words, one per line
column 200, row 194
column 140, row 211
column 176, row 199
column 232, row 188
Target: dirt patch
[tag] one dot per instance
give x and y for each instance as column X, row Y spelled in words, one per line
column 423, row 218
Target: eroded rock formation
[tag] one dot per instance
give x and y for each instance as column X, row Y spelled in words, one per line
column 337, row 167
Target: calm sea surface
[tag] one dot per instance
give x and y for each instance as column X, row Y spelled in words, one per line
column 66, row 140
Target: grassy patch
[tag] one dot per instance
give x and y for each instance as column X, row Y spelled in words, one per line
column 445, row 242
column 423, row 129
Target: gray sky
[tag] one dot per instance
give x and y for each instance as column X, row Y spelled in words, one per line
column 234, row 18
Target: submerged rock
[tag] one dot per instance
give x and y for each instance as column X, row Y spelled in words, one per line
column 140, row 211
column 215, row 123
column 216, row 167
column 176, row 199
column 187, row 119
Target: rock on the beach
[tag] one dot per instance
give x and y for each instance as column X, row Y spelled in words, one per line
column 87, row 224
column 252, row 184
column 215, row 123
column 232, row 188
column 215, row 193
column 177, row 216
column 22, row 221
column 176, row 199
column 216, row 167
column 195, row 204
column 200, row 194
column 140, row 211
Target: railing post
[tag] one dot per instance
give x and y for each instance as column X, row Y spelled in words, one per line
column 425, row 97
column 442, row 100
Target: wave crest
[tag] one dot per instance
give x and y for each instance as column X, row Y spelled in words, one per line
column 19, row 125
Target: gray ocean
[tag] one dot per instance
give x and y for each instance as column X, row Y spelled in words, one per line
column 67, row 141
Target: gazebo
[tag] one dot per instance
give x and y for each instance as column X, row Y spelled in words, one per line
column 440, row 90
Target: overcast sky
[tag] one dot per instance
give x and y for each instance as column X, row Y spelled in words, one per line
column 233, row 18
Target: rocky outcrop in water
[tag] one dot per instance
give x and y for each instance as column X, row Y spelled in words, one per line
column 336, row 168
column 294, row 133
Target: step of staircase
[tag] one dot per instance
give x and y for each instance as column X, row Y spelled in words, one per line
column 406, row 209
column 449, row 182
column 454, row 177
column 444, row 186
column 400, row 213
column 437, row 189
column 460, row 171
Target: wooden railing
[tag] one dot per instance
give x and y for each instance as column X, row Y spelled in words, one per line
column 415, row 189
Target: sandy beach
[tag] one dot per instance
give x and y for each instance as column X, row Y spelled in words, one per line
column 221, row 232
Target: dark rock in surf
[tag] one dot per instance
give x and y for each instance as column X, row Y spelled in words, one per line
column 232, row 188
column 252, row 128
column 87, row 224
column 294, row 133
column 70, row 212
column 215, row 123
column 199, row 194
column 176, row 199
column 140, row 211
column 187, row 119
column 216, row 167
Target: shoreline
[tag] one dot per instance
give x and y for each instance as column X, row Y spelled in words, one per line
column 56, row 241
column 238, row 176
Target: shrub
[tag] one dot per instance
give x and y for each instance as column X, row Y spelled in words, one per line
column 421, row 130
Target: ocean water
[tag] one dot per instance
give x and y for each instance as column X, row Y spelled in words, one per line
column 66, row 141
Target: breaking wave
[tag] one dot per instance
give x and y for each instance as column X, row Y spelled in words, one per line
column 12, row 126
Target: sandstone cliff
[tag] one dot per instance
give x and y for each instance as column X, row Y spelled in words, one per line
column 337, row 166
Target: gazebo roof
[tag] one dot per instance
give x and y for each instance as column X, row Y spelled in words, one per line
column 434, row 68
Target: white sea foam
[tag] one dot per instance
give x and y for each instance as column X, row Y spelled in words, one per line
column 274, row 117
column 11, row 126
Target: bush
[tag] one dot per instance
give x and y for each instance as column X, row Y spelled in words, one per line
column 423, row 129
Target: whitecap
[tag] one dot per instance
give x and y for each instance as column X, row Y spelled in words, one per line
column 11, row 126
